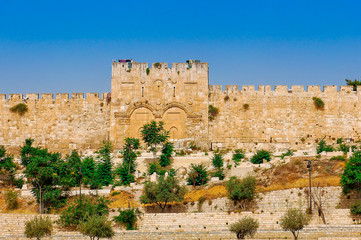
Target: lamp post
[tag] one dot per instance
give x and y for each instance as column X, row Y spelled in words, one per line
column 309, row 167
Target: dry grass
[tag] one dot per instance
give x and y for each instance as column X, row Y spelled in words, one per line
column 121, row 199
column 214, row 192
column 326, row 181
column 25, row 205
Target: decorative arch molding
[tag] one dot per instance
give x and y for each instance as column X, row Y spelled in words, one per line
column 182, row 106
column 134, row 106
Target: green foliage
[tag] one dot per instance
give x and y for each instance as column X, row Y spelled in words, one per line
column 238, row 155
column 7, row 168
column 260, row 156
column 323, row 147
column 163, row 192
column 147, row 71
column 241, row 189
column 212, row 112
column 20, row 108
column 219, row 173
column 356, row 208
column 11, row 200
column 38, row 227
column 193, row 145
column 351, row 177
column 339, row 140
column 339, row 158
column 167, row 151
column 198, row 175
column 104, row 168
column 294, row 220
column 154, row 168
column 217, row 161
column 128, row 218
column 82, row 209
column 89, row 172
column 353, row 83
column 246, row 226
column 96, row 227
column 154, row 134
column 128, row 167
column 319, row 104
column 288, row 153
column 345, row 148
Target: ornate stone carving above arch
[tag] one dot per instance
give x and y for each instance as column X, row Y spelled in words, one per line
column 132, row 107
column 184, row 107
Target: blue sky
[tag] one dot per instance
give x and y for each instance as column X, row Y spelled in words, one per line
column 68, row 46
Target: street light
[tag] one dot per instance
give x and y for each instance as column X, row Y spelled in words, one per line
column 309, row 167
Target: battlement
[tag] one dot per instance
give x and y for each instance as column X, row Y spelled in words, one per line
column 284, row 89
column 57, row 96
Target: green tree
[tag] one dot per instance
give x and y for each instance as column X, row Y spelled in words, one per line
column 7, row 167
column 166, row 156
column 294, row 220
column 246, row 226
column 128, row 218
column 198, row 175
column 351, row 177
column 154, row 134
column 38, row 227
column 96, row 227
column 89, row 172
column 323, row 147
column 217, row 161
column 238, row 155
column 163, row 192
column 241, row 189
column 82, row 209
column 353, row 83
column 127, row 168
column 104, row 166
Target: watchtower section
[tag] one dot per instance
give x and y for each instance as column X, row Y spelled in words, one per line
column 177, row 95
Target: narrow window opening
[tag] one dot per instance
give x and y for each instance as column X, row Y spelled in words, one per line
column 142, row 91
column 173, row 91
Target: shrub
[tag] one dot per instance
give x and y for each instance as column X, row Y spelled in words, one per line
column 127, row 218
column 198, row 175
column 294, row 220
column 319, row 104
column 238, row 155
column 154, row 168
column 344, row 148
column 167, row 151
column 125, row 177
column 212, row 112
column 241, row 189
column 81, row 210
column 245, row 106
column 11, row 199
column 20, row 108
column 163, row 192
column 340, row 158
column 96, row 227
column 323, row 147
column 351, row 176
column 226, row 98
column 246, row 226
column 38, row 227
column 260, row 156
column 219, row 173
column 356, row 208
column 217, row 161
column 288, row 153
column 147, row 71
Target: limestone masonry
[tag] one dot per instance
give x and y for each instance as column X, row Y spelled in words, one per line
column 180, row 96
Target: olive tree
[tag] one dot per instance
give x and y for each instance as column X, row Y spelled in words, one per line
column 96, row 227
column 246, row 226
column 294, row 220
column 38, row 227
column 154, row 134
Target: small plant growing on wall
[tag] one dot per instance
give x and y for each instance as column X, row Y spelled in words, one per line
column 20, row 108
column 226, row 98
column 212, row 112
column 147, row 71
column 319, row 104
column 245, row 106
column 157, row 65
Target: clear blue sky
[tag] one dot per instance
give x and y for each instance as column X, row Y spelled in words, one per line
column 68, row 46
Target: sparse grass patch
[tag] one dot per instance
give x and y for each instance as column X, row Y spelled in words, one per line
column 214, row 192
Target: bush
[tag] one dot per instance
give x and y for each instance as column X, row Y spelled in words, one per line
column 198, row 175
column 212, row 112
column 241, row 189
column 319, row 104
column 217, row 161
column 351, row 176
column 356, row 208
column 288, row 153
column 245, row 226
column 127, row 218
column 38, row 227
column 20, row 108
column 220, row 174
column 340, row 158
column 96, row 227
column 11, row 199
column 154, row 168
column 260, row 156
column 167, row 151
column 323, row 147
column 238, row 155
column 82, row 209
column 294, row 220
column 125, row 177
